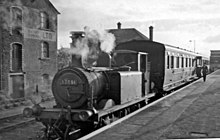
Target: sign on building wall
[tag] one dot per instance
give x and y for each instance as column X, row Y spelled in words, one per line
column 39, row 34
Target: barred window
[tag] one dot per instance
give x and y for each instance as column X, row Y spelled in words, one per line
column 44, row 20
column 44, row 50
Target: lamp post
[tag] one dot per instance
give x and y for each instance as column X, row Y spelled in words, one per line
column 194, row 44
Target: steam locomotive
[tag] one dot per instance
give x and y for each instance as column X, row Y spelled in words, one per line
column 88, row 98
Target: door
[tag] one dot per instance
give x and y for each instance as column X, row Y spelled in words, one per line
column 17, row 85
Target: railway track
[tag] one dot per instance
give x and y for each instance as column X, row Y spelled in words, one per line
column 13, row 122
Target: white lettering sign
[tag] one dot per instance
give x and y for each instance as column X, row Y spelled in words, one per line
column 39, row 34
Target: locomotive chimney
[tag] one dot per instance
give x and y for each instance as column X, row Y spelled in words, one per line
column 76, row 59
column 151, row 33
column 74, row 36
column 119, row 25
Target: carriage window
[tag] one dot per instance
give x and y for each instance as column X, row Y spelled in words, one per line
column 143, row 63
column 177, row 62
column 190, row 62
column 168, row 61
column 186, row 62
column 172, row 61
column 193, row 62
column 182, row 64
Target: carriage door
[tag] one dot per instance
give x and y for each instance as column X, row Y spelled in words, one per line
column 198, row 66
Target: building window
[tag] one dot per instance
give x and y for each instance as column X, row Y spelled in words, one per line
column 46, row 79
column 16, row 20
column 16, row 57
column 45, row 87
column 44, row 20
column 44, row 50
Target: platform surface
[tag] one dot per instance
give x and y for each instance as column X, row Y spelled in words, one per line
column 191, row 113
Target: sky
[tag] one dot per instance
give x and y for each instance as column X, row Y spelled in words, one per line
column 189, row 24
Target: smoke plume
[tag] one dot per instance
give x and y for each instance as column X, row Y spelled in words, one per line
column 89, row 47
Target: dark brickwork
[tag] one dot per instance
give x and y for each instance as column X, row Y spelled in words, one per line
column 214, row 60
column 30, row 35
column 6, row 40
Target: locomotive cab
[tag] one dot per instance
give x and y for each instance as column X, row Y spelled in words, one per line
column 133, row 61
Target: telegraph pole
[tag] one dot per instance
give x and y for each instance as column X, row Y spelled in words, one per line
column 194, row 44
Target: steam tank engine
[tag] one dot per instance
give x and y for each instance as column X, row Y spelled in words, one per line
column 88, row 98
column 78, row 88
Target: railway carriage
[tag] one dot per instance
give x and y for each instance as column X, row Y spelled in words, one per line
column 170, row 66
column 180, row 66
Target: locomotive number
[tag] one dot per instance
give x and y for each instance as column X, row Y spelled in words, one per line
column 68, row 82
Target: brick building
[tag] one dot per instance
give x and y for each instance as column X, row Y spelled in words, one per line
column 28, row 46
column 214, row 60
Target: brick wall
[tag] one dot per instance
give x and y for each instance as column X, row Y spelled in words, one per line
column 34, row 68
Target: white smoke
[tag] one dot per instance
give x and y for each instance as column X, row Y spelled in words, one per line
column 93, row 42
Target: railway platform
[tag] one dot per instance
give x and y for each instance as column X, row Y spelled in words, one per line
column 189, row 113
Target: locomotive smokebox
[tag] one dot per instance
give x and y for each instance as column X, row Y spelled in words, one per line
column 77, row 87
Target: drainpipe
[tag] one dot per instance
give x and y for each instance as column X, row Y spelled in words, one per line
column 1, row 54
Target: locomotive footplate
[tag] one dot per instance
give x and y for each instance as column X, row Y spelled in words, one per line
column 122, row 106
column 57, row 113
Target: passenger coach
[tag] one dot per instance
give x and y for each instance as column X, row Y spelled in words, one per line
column 170, row 66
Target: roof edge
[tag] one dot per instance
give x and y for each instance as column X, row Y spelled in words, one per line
column 50, row 3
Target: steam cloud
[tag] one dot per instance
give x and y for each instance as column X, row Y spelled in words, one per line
column 89, row 47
